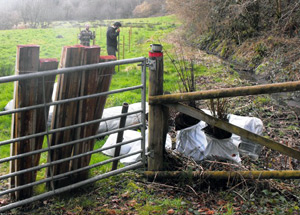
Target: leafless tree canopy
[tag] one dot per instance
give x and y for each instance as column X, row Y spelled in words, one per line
column 38, row 13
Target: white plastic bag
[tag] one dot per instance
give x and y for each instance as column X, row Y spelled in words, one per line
column 192, row 141
column 131, row 147
column 114, row 123
column 253, row 124
column 223, row 149
column 112, row 140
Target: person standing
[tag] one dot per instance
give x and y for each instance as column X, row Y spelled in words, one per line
column 85, row 36
column 111, row 38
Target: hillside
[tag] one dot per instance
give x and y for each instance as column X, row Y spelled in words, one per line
column 260, row 37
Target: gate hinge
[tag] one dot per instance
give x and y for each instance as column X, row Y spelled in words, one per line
column 150, row 154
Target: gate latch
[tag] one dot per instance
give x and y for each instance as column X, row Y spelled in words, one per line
column 152, row 64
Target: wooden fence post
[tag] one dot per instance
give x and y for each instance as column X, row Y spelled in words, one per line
column 45, row 85
column 86, row 111
column 24, row 123
column 123, row 46
column 129, row 38
column 65, row 114
column 119, row 52
column 120, row 135
column 158, row 114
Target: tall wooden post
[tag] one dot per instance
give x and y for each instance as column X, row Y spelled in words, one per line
column 45, row 89
column 158, row 114
column 129, row 38
column 86, row 111
column 123, row 46
column 119, row 52
column 24, row 123
column 65, row 114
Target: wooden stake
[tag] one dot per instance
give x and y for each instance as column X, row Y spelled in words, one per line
column 100, row 35
column 24, row 123
column 129, row 38
column 120, row 135
column 94, row 33
column 123, row 46
column 48, row 83
column 158, row 114
column 66, row 114
column 119, row 52
column 86, row 112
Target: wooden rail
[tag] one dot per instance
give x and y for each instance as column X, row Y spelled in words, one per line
column 226, row 92
column 285, row 174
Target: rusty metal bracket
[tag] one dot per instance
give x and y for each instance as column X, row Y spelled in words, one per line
column 151, row 64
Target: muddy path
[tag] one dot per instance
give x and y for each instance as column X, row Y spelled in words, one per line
column 290, row 100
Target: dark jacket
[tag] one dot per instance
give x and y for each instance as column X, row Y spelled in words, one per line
column 111, row 37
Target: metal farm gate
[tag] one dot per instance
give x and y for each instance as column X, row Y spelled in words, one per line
column 52, row 178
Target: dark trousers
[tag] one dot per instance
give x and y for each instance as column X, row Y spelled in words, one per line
column 111, row 50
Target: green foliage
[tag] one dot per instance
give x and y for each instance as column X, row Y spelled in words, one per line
column 262, row 100
column 261, row 49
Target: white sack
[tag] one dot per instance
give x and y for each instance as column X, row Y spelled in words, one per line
column 194, row 143
column 221, row 150
column 132, row 119
column 252, row 124
column 130, row 147
column 127, row 135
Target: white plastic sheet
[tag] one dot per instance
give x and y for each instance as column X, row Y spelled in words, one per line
column 10, row 105
column 194, row 143
column 132, row 119
column 253, row 124
column 221, row 150
column 130, row 147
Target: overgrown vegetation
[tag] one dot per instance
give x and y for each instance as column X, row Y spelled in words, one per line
column 240, row 31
